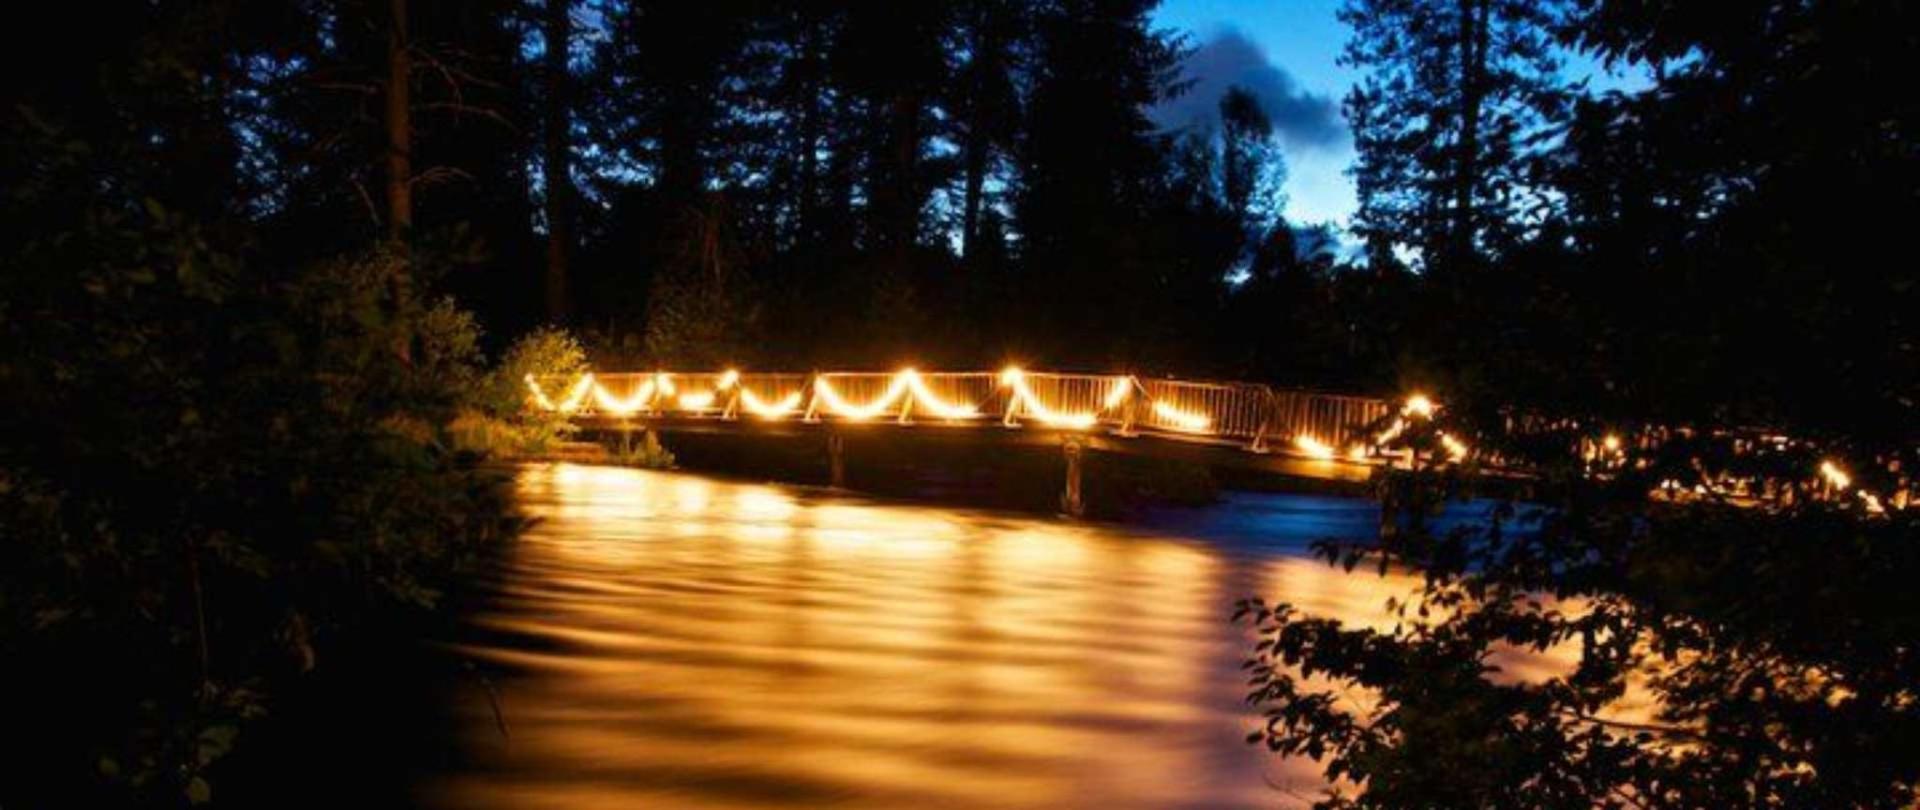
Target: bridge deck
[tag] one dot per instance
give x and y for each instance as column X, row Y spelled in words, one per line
column 1297, row 433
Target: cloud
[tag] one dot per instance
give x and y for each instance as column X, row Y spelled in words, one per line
column 1300, row 118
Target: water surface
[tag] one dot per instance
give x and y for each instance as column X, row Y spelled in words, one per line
column 668, row 640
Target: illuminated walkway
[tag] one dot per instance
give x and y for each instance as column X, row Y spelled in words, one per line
column 1323, row 436
column 1252, row 418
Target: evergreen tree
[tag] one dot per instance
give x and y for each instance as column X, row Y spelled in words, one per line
column 1455, row 98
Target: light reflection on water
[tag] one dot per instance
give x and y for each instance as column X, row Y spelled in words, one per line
column 667, row 640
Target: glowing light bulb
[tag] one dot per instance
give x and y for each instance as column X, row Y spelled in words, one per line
column 1455, row 448
column 1313, row 447
column 728, row 379
column 1834, row 475
column 1182, row 420
column 1611, row 442
column 696, row 400
column 1419, row 405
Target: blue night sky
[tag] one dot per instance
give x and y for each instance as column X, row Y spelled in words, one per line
column 1287, row 53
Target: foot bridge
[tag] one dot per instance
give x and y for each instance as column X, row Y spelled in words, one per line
column 1301, row 434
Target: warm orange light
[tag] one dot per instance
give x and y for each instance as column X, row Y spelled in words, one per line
column 696, row 400
column 932, row 402
column 1016, row 379
column 1611, row 442
column 606, row 401
column 1313, row 447
column 1455, row 448
column 1835, row 476
column 1182, row 420
column 823, row 392
column 576, row 396
column 753, row 404
column 1418, row 405
column 906, row 382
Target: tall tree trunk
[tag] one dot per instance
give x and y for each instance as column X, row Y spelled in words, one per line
column 1473, row 66
column 975, row 191
column 399, row 124
column 809, row 146
column 976, row 145
column 905, row 213
column 556, row 163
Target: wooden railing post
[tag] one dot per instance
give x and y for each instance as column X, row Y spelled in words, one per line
column 1072, row 498
column 836, row 460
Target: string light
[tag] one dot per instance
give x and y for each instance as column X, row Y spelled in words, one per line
column 1016, row 380
column 765, row 410
column 1835, row 476
column 933, row 403
column 1418, row 405
column 606, row 401
column 906, row 382
column 1183, row 420
column 576, row 396
column 539, row 396
column 823, row 393
column 910, row 383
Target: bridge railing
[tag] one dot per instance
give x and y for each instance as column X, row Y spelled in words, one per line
column 771, row 396
column 1254, row 417
column 1230, row 411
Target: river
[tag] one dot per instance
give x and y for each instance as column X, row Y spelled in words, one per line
column 669, row 640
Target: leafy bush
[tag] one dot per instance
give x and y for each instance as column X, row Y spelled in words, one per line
column 214, row 474
column 647, row 452
column 501, row 423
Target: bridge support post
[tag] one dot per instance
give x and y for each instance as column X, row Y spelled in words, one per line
column 836, row 460
column 1072, row 500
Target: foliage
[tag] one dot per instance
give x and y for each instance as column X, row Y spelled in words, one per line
column 1709, row 259
column 1457, row 97
column 224, row 463
column 648, row 452
column 502, row 424
column 1775, row 645
column 209, row 486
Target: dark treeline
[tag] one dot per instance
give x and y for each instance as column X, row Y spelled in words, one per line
column 754, row 182
column 842, row 183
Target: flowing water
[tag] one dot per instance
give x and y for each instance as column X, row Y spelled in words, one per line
column 673, row 641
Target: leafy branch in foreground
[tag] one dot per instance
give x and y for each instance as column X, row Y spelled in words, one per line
column 1708, row 655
